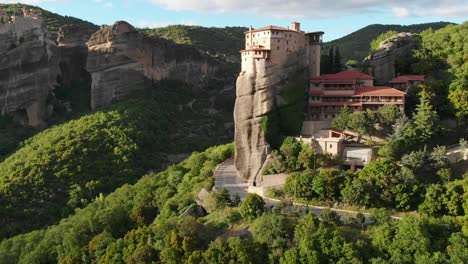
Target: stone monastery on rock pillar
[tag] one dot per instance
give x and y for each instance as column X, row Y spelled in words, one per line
column 272, row 45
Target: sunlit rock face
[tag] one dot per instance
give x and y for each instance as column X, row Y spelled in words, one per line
column 123, row 61
column 28, row 70
column 259, row 91
column 391, row 57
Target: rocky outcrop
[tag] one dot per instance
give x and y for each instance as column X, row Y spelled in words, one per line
column 28, row 70
column 392, row 57
column 71, row 41
column 123, row 61
column 260, row 93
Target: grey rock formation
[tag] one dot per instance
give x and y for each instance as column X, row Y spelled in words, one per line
column 123, row 61
column 73, row 51
column 28, row 70
column 259, row 93
column 391, row 53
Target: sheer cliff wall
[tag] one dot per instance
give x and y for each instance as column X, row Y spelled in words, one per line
column 268, row 94
column 122, row 61
column 28, row 70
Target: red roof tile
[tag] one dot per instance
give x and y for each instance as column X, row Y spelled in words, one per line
column 406, row 78
column 378, row 91
column 335, row 104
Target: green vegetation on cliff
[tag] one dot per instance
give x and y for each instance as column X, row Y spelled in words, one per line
column 355, row 46
column 222, row 42
column 65, row 167
column 287, row 119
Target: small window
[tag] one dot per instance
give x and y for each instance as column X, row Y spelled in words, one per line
column 331, row 146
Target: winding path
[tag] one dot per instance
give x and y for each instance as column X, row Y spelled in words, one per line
column 226, row 177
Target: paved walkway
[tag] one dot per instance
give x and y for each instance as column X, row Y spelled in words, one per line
column 226, row 177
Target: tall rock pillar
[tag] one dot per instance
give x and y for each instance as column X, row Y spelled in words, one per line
column 271, row 88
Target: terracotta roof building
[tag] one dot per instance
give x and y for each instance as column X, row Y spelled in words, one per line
column 405, row 82
column 354, row 89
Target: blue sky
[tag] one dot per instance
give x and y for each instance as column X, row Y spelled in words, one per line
column 335, row 17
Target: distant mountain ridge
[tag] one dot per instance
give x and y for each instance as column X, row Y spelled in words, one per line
column 355, row 46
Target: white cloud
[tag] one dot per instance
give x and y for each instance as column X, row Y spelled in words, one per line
column 108, row 4
column 321, row 8
column 401, row 12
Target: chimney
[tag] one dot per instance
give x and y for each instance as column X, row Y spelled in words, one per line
column 398, row 75
column 370, row 70
column 296, row 26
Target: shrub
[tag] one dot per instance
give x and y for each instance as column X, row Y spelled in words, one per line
column 252, row 207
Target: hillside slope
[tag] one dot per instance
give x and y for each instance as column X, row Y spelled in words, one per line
column 355, row 46
column 63, row 168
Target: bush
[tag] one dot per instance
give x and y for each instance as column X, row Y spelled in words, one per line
column 252, row 207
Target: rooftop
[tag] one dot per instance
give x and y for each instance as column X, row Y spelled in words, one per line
column 406, row 78
column 378, row 91
column 271, row 27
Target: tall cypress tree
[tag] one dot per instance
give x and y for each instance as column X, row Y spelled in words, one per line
column 426, row 118
column 337, row 61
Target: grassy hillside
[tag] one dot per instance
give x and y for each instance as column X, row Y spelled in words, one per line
column 63, row 168
column 108, row 218
column 356, row 45
column 52, row 20
column 219, row 42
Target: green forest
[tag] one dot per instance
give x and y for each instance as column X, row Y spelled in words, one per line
column 143, row 223
column 95, row 190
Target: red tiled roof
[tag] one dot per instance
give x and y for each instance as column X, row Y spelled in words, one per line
column 378, row 91
column 343, row 77
column 406, row 78
column 335, row 104
column 338, row 95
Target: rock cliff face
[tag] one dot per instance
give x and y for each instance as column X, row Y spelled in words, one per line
column 28, row 70
column 73, row 55
column 123, row 61
column 392, row 56
column 261, row 92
